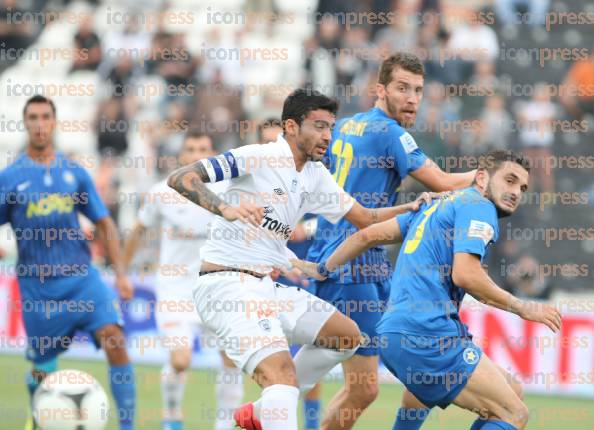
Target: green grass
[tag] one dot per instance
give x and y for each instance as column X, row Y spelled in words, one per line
column 547, row 412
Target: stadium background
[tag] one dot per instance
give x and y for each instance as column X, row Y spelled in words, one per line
column 129, row 77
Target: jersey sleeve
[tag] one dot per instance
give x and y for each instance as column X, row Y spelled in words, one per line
column 329, row 200
column 236, row 162
column 89, row 203
column 475, row 226
column 404, row 221
column 405, row 152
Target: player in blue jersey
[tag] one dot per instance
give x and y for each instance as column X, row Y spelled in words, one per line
column 370, row 155
column 42, row 193
column 424, row 342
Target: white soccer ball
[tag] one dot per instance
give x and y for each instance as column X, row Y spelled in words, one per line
column 70, row 400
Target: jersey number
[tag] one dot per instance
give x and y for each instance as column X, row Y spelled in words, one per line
column 344, row 158
column 412, row 244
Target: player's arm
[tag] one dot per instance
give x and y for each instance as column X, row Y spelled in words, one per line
column 190, row 181
column 467, row 273
column 107, row 232
column 432, row 177
column 132, row 244
column 94, row 209
column 362, row 217
column 377, row 234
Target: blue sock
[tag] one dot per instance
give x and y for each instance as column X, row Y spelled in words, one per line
column 311, row 410
column 478, row 424
column 497, row 425
column 123, row 388
column 172, row 425
column 49, row 366
column 410, row 419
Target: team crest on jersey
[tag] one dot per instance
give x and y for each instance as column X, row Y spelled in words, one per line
column 279, row 192
column 265, row 324
column 47, row 180
column 470, row 356
column 294, row 184
column 68, row 177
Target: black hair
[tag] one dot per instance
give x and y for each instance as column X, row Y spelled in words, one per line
column 302, row 101
column 38, row 98
column 492, row 161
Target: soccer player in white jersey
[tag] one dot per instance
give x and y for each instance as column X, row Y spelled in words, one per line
column 183, row 227
column 270, row 188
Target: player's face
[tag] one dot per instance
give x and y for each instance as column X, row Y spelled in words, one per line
column 195, row 149
column 315, row 134
column 505, row 187
column 402, row 96
column 40, row 123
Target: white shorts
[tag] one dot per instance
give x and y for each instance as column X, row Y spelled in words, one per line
column 176, row 317
column 254, row 318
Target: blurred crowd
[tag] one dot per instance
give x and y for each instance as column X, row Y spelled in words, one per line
column 467, row 107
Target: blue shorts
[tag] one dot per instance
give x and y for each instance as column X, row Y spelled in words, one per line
column 55, row 309
column 434, row 369
column 363, row 303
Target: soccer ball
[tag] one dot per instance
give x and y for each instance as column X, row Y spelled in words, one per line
column 70, row 400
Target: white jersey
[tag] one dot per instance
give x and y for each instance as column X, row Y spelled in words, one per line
column 265, row 175
column 183, row 230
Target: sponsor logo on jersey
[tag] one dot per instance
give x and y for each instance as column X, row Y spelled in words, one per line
column 50, row 204
column 277, row 227
column 265, row 324
column 279, row 191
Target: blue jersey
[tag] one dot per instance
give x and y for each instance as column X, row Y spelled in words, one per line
column 369, row 157
column 423, row 298
column 41, row 202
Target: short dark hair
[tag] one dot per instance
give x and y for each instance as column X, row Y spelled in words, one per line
column 302, row 101
column 195, row 133
column 492, row 161
column 38, row 98
column 268, row 123
column 403, row 60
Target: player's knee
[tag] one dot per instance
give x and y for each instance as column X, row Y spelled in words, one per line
column 111, row 336
column 520, row 414
column 518, row 389
column 352, row 337
column 364, row 393
column 180, row 361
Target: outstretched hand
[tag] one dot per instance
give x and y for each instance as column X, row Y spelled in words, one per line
column 308, row 268
column 542, row 313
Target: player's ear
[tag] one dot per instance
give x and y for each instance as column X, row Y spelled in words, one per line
column 482, row 178
column 380, row 90
column 291, row 128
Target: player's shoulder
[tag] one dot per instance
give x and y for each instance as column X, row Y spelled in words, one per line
column 68, row 163
column 471, row 201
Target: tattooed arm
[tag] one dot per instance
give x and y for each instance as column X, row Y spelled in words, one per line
column 190, row 182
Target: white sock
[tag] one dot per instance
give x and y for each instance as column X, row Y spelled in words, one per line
column 312, row 363
column 173, row 385
column 278, row 407
column 229, row 392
